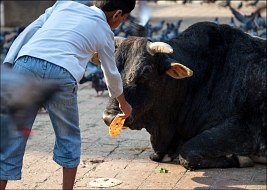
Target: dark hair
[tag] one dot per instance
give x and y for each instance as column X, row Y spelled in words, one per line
column 111, row 5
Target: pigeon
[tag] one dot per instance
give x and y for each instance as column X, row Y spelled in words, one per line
column 85, row 2
column 19, row 28
column 134, row 29
column 178, row 24
column 157, row 27
column 127, row 29
column 98, row 84
column 12, row 39
column 254, row 32
column 119, row 29
column 216, row 20
column 263, row 34
column 149, row 32
column 85, row 78
column 155, row 1
column 4, row 33
column 91, row 69
column 232, row 22
column 225, row 3
column 252, row 3
column 175, row 30
column 172, row 34
column 208, row 1
column 2, row 42
column 131, row 18
column 6, row 48
column 240, row 5
column 165, row 36
column 186, row 1
column 3, row 37
column 158, row 38
column 247, row 21
column 260, row 21
column 20, row 97
column 7, row 43
column 169, row 28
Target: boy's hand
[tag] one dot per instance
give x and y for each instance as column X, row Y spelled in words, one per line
column 126, row 110
column 125, row 107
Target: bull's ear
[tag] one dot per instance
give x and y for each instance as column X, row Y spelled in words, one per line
column 95, row 59
column 179, row 71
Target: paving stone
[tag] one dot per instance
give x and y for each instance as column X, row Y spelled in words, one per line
column 133, row 175
column 127, row 157
column 230, row 184
column 156, row 185
column 189, row 182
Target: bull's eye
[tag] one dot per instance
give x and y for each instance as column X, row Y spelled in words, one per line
column 144, row 77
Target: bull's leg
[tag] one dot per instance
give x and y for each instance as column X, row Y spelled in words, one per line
column 160, row 144
column 160, row 149
column 173, row 149
column 218, row 147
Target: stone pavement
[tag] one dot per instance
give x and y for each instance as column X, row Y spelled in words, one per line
column 127, row 157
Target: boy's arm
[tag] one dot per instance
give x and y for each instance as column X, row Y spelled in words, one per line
column 125, row 107
column 111, row 73
column 25, row 36
column 113, row 80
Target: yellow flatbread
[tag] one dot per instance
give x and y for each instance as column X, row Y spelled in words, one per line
column 116, row 126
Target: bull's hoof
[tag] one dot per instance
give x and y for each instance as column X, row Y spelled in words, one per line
column 244, row 161
column 185, row 163
column 155, row 157
column 176, row 160
column 258, row 159
column 166, row 158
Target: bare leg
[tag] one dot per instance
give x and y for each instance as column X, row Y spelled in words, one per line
column 3, row 184
column 69, row 175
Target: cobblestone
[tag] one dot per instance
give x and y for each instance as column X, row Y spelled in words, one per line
column 127, row 157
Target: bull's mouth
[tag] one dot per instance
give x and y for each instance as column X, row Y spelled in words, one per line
column 109, row 117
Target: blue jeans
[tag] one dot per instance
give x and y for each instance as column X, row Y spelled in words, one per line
column 63, row 112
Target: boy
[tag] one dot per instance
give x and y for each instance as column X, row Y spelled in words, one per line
column 58, row 46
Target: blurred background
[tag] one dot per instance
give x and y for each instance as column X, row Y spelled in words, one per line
column 157, row 20
column 154, row 19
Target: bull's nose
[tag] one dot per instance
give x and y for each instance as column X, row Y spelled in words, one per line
column 108, row 117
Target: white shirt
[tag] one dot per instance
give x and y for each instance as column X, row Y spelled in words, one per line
column 68, row 34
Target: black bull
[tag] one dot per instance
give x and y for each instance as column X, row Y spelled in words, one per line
column 214, row 116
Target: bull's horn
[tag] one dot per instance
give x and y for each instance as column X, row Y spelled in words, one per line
column 158, row 47
column 118, row 40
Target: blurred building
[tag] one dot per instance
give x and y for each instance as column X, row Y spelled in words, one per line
column 17, row 12
column 14, row 13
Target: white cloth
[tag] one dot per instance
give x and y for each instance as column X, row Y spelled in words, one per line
column 68, row 34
